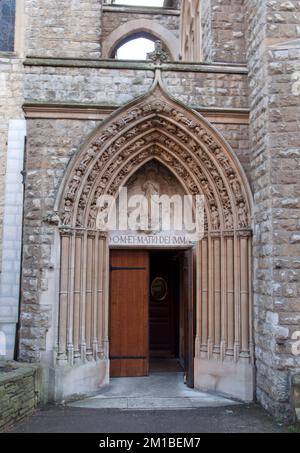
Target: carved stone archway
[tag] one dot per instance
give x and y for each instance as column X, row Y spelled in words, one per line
column 160, row 128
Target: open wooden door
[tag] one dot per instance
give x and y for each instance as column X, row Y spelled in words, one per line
column 188, row 295
column 129, row 338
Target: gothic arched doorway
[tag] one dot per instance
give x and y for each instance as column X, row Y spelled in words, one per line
column 157, row 127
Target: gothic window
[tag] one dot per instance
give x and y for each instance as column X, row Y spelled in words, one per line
column 153, row 3
column 7, row 25
column 136, row 47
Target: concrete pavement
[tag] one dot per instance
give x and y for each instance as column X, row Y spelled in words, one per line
column 235, row 419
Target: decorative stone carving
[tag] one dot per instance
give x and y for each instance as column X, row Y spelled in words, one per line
column 179, row 132
column 158, row 130
column 242, row 214
column 93, row 217
column 66, row 218
column 52, row 219
column 215, row 218
column 75, row 183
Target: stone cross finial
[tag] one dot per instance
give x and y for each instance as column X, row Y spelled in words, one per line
column 159, row 56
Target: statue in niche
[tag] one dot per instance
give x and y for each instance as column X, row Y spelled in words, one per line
column 87, row 159
column 102, row 217
column 75, row 182
column 101, row 186
column 150, row 189
column 67, row 215
column 236, row 187
column 221, row 157
column 207, row 190
column 93, row 217
column 79, row 222
column 242, row 214
column 228, row 219
column 214, row 214
column 84, row 195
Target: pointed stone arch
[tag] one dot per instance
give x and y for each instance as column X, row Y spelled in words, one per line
column 158, row 127
column 135, row 26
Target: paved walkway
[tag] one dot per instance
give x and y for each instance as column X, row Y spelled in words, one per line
column 236, row 419
column 139, row 406
column 157, row 391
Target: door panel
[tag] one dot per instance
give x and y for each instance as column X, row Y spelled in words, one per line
column 188, row 295
column 129, row 286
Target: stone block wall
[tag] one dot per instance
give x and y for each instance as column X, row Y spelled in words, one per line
column 237, row 135
column 112, row 18
column 223, row 31
column 296, row 397
column 50, row 145
column 19, row 392
column 109, row 86
column 120, row 22
column 60, row 28
column 275, row 157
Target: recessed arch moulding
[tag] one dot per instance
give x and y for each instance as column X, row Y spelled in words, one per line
column 156, row 127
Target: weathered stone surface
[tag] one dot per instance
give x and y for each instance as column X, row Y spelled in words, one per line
column 223, row 31
column 51, row 144
column 118, row 86
column 274, row 134
column 233, row 31
column 67, row 29
column 296, row 396
column 112, row 20
column 20, row 387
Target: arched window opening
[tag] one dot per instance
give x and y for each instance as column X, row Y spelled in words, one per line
column 147, row 3
column 153, row 3
column 7, row 25
column 136, row 47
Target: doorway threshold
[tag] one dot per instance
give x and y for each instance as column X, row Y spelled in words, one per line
column 159, row 391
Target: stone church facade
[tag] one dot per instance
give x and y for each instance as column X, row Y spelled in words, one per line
column 218, row 110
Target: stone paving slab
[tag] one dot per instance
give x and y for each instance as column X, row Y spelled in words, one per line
column 155, row 392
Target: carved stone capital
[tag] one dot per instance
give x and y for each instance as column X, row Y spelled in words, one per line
column 245, row 233
column 65, row 231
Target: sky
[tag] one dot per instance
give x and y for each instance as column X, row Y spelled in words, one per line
column 136, row 49
column 141, row 2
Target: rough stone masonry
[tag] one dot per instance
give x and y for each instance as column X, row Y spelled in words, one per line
column 247, row 84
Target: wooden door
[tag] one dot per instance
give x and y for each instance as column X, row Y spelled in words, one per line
column 129, row 293
column 188, row 295
column 163, row 311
